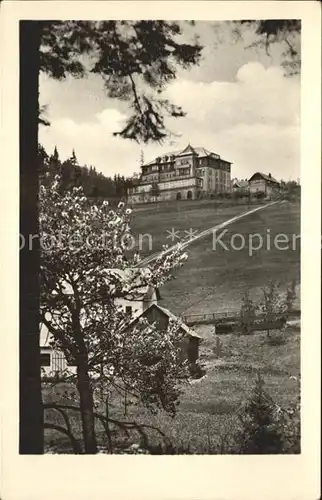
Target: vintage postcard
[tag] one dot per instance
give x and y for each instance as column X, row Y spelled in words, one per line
column 161, row 277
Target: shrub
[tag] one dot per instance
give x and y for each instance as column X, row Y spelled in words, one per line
column 260, row 432
column 289, row 421
column 248, row 311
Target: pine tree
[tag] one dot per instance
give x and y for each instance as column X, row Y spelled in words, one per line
column 247, row 313
column 260, row 432
column 272, row 305
column 73, row 160
column 55, row 156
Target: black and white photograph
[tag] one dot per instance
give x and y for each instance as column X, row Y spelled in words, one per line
column 160, row 243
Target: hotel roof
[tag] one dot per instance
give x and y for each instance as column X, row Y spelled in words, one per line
column 198, row 151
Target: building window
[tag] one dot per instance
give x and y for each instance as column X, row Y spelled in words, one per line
column 128, row 310
column 44, row 359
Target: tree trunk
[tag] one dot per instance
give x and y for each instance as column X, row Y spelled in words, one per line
column 86, row 406
column 30, row 404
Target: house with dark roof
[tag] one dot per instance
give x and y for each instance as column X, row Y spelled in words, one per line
column 262, row 183
column 179, row 175
column 239, row 185
column 140, row 300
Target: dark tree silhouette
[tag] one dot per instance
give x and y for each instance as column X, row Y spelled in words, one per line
column 283, row 31
column 123, row 53
column 31, row 412
column 155, row 190
column 72, row 174
column 130, row 56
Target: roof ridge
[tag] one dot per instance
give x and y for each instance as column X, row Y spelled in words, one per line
column 178, row 152
column 265, row 176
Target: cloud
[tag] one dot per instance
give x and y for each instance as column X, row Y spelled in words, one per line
column 258, row 95
column 93, row 141
column 252, row 121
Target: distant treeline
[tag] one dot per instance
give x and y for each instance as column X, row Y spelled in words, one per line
column 95, row 184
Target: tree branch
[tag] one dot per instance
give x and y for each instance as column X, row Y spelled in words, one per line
column 136, row 97
column 74, row 443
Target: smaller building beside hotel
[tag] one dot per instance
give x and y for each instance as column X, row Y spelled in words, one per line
column 261, row 183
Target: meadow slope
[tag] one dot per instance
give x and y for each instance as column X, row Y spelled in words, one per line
column 213, row 278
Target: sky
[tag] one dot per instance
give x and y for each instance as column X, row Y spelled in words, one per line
column 238, row 103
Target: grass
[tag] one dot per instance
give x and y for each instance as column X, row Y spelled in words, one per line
column 157, row 219
column 214, row 280
column 207, row 410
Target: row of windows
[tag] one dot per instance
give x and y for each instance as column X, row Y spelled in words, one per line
column 184, row 171
column 216, row 171
column 183, row 162
column 214, row 161
column 211, row 162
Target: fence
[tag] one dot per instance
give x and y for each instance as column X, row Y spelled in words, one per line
column 226, row 317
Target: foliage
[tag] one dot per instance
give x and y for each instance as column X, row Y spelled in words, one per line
column 274, row 309
column 259, row 195
column 274, row 304
column 155, row 190
column 136, row 60
column 266, row 427
column 282, row 31
column 84, row 275
column 289, row 422
column 291, row 191
column 95, row 184
column 259, row 433
column 248, row 312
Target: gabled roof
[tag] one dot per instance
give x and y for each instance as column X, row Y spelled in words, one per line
column 184, row 327
column 170, row 315
column 264, row 176
column 240, row 183
column 198, row 151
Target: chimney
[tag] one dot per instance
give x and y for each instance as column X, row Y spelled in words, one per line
column 269, row 175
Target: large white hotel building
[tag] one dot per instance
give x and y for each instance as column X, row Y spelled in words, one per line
column 185, row 174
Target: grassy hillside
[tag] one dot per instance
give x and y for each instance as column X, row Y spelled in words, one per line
column 157, row 219
column 214, row 279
